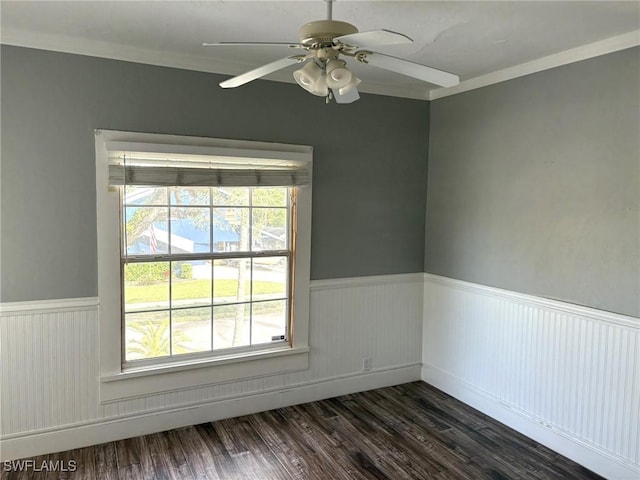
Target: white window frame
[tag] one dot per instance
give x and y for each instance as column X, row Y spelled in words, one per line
column 117, row 383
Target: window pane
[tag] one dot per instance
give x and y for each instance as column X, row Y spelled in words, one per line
column 269, row 277
column 232, row 280
column 231, row 325
column 190, row 283
column 181, row 307
column 147, row 335
column 269, row 319
column 146, row 229
column 145, row 195
column 190, row 230
column 146, row 286
column 230, row 229
column 190, row 330
column 189, row 195
column 231, row 196
column 269, row 229
column 269, row 197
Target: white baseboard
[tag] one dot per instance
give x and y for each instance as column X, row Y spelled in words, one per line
column 92, row 433
column 586, row 455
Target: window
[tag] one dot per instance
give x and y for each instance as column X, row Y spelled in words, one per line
column 203, row 260
column 205, row 269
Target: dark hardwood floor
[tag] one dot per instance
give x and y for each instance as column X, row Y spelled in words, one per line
column 411, row 431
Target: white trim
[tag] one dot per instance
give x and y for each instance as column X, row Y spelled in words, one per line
column 127, row 53
column 238, row 153
column 573, row 309
column 584, row 52
column 49, row 306
column 61, row 43
column 90, row 303
column 587, row 455
column 171, row 378
column 80, row 435
column 107, row 214
column 204, row 362
column 352, row 282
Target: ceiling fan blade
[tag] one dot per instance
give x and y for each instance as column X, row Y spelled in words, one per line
column 262, row 71
column 410, row 69
column 253, row 44
column 350, row 96
column 373, row 39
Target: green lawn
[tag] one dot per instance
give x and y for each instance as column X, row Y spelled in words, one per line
column 186, row 289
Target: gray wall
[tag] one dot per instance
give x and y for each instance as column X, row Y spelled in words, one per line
column 534, row 184
column 369, row 163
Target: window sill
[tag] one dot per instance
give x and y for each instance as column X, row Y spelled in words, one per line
column 138, row 382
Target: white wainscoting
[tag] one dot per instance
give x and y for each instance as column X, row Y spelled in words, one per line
column 564, row 375
column 49, row 397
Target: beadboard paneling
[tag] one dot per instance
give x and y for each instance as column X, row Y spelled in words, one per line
column 49, row 365
column 50, row 370
column 571, row 369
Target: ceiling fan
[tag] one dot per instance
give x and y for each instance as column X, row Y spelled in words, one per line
column 325, row 72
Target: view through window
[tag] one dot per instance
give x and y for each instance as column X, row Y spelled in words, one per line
column 204, row 269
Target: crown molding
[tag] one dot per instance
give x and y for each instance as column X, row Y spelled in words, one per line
column 127, row 53
column 92, row 48
column 584, row 52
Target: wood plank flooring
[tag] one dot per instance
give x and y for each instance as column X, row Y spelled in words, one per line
column 410, row 431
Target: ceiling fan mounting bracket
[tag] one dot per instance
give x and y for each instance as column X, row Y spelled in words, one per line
column 320, row 34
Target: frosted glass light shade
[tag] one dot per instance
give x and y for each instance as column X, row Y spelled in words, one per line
column 350, row 86
column 338, row 75
column 312, row 79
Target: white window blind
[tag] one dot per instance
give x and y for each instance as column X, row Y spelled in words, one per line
column 147, row 164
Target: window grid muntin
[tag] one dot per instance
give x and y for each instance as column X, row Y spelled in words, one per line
column 169, row 248
column 212, row 256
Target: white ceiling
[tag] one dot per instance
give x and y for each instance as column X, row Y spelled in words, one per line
column 471, row 39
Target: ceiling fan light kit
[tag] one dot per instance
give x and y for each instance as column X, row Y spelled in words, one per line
column 325, row 74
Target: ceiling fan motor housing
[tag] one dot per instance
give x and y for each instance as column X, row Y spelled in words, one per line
column 321, row 33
